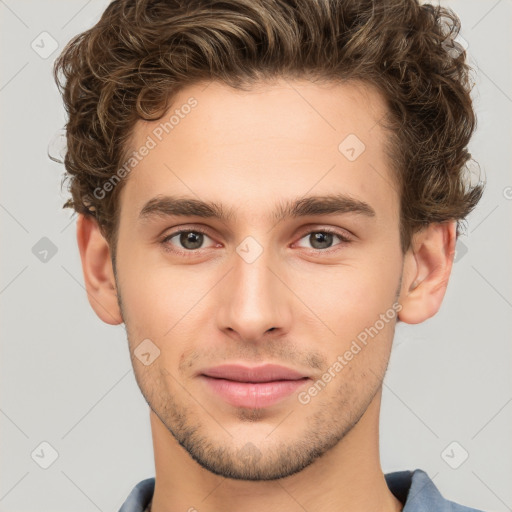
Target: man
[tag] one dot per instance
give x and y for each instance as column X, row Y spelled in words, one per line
column 265, row 189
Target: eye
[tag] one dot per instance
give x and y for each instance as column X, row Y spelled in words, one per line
column 189, row 239
column 323, row 239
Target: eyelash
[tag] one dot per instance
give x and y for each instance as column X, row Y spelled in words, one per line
column 190, row 253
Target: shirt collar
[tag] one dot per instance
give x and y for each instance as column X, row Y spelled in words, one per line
column 413, row 488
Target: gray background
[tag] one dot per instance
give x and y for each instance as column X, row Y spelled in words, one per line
column 66, row 378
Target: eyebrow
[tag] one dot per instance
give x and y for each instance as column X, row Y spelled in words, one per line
column 331, row 204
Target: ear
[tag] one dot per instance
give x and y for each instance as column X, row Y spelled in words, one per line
column 427, row 267
column 97, row 269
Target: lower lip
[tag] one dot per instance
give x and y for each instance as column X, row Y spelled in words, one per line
column 253, row 394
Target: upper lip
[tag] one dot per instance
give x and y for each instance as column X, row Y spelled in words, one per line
column 265, row 373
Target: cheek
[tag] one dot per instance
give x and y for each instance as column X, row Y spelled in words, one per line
column 163, row 301
column 150, row 295
column 351, row 300
column 351, row 295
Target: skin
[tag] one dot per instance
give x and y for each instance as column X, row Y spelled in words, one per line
column 294, row 305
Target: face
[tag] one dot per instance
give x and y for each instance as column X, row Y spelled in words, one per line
column 294, row 261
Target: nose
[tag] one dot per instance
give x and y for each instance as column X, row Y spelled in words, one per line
column 254, row 299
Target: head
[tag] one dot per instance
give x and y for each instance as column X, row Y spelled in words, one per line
column 315, row 155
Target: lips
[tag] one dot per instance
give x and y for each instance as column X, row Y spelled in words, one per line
column 256, row 387
column 265, row 373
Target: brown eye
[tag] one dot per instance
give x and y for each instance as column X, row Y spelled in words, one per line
column 323, row 239
column 191, row 240
column 186, row 240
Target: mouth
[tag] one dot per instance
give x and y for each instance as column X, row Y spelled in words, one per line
column 255, row 387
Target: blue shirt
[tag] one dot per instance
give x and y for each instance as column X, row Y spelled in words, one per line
column 414, row 489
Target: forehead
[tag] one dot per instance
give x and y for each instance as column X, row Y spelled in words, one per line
column 280, row 140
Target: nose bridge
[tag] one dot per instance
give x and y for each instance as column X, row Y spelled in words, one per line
column 253, row 299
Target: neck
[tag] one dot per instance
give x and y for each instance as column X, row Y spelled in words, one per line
column 348, row 477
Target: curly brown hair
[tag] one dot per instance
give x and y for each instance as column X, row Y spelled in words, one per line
column 141, row 53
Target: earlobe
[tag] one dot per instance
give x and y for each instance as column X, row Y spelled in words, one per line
column 427, row 267
column 97, row 270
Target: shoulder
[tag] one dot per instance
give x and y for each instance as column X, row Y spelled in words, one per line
column 419, row 494
column 139, row 497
